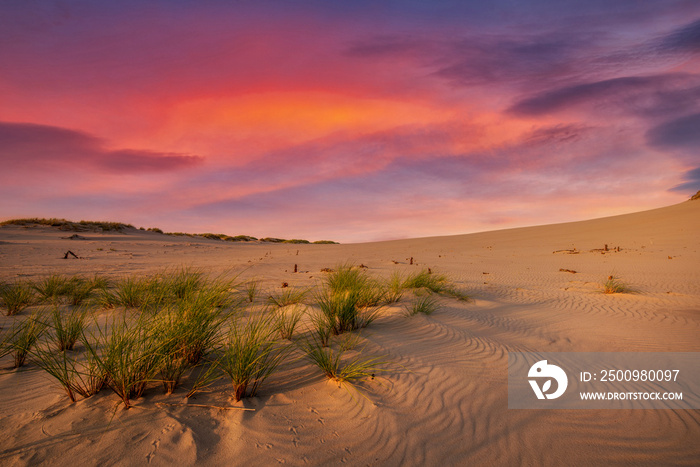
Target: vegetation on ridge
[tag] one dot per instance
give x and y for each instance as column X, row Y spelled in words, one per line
column 84, row 226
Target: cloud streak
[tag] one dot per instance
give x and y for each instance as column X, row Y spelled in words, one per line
column 32, row 146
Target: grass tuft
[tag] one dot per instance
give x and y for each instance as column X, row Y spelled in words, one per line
column 615, row 285
column 349, row 300
column 434, row 283
column 394, row 288
column 16, row 297
column 68, row 329
column 24, row 337
column 127, row 354
column 287, row 297
column 337, row 368
column 251, row 290
column 84, row 379
column 287, row 320
column 251, row 355
column 426, row 305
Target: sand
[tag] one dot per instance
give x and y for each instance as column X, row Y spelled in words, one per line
column 444, row 401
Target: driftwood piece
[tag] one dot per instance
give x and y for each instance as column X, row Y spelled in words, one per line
column 74, row 237
column 70, row 253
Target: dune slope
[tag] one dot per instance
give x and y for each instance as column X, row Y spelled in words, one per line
column 444, row 398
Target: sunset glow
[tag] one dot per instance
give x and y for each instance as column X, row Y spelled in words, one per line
column 360, row 122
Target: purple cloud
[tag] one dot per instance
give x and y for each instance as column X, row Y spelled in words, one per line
column 637, row 95
column 683, row 133
column 685, row 39
column 42, row 146
column 691, row 182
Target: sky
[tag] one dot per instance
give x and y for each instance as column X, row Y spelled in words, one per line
column 348, row 121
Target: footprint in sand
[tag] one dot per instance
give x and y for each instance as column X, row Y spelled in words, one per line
column 156, row 442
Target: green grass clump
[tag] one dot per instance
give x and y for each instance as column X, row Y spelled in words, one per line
column 337, row 368
column 127, row 353
column 24, row 336
column 615, row 285
column 288, row 296
column 194, row 327
column 250, row 355
column 322, row 328
column 394, row 288
column 51, row 289
column 342, row 310
column 16, row 297
column 434, row 283
column 78, row 290
column 251, row 290
column 84, row 379
column 75, row 290
column 426, row 305
column 286, row 320
column 68, row 329
column 129, row 292
column 349, row 300
column 183, row 283
column 7, row 337
column 424, row 279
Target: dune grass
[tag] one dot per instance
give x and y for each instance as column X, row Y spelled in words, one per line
column 337, row 368
column 394, row 288
column 67, row 329
column 126, row 352
column 252, row 288
column 180, row 324
column 250, row 355
column 84, row 379
column 24, row 336
column 186, row 333
column 130, row 292
column 183, row 283
column 16, row 297
column 426, row 305
column 613, row 285
column 433, row 283
column 57, row 289
column 288, row 296
column 7, row 337
column 51, row 289
column 349, row 300
column 322, row 328
column 287, row 319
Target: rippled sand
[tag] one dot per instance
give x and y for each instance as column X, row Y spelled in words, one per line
column 444, row 401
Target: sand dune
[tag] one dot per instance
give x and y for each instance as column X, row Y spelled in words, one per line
column 444, row 399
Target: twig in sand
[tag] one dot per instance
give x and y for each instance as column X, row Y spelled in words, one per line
column 207, row 406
